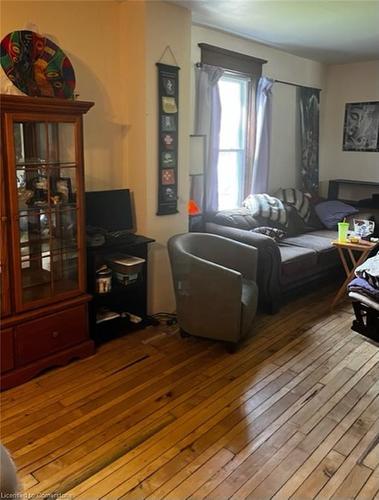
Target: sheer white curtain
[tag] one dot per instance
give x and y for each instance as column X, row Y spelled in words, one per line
column 207, row 122
column 261, row 163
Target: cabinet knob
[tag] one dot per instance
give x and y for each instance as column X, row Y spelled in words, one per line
column 55, row 334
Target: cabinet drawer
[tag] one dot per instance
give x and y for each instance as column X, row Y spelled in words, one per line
column 42, row 337
column 6, row 349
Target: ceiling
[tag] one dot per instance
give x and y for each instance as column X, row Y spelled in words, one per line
column 330, row 31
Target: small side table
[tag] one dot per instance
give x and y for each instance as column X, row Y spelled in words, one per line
column 348, row 247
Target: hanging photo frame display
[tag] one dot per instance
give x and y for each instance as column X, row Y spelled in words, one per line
column 361, row 127
column 168, row 114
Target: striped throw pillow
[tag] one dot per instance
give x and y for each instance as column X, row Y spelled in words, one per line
column 297, row 199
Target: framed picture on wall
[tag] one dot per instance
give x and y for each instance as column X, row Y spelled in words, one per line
column 361, row 127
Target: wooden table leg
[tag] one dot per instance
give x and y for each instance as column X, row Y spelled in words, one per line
column 343, row 260
column 349, row 273
column 352, row 258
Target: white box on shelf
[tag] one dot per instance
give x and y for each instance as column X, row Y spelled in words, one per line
column 126, row 268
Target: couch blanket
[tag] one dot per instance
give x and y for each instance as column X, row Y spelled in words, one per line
column 266, row 207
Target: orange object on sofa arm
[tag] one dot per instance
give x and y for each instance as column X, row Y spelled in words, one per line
column 193, row 208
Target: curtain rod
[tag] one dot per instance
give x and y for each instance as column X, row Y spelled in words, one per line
column 296, row 85
column 233, row 71
column 199, row 65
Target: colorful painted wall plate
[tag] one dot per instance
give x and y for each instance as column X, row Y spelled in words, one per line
column 36, row 65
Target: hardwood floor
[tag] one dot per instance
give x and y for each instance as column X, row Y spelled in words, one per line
column 293, row 414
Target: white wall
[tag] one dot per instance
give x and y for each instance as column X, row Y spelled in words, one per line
column 284, row 170
column 280, row 66
column 346, row 83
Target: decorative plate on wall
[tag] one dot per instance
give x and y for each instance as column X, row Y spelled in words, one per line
column 36, row 65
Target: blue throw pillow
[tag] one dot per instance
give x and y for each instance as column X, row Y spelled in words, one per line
column 333, row 211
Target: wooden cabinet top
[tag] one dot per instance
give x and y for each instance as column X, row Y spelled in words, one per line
column 12, row 103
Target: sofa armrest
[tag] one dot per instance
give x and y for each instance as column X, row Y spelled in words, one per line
column 269, row 260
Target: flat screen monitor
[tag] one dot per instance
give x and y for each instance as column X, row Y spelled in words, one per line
column 110, row 210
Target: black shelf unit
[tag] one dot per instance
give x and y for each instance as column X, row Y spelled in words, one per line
column 130, row 298
column 334, row 191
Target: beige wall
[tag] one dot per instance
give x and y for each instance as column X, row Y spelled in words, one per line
column 89, row 34
column 166, row 25
column 346, row 83
column 284, row 163
column 133, row 90
column 280, row 66
column 113, row 47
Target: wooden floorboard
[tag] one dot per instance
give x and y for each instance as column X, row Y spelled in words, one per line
column 293, row 414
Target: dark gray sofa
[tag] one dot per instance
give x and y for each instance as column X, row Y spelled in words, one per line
column 285, row 267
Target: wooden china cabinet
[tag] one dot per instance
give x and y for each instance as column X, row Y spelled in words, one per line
column 43, row 289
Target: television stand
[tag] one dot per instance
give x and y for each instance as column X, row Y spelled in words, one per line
column 118, row 311
column 120, row 234
column 119, row 237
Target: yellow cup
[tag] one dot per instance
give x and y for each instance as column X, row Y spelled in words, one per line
column 342, row 231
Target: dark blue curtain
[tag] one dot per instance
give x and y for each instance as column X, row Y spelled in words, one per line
column 309, row 108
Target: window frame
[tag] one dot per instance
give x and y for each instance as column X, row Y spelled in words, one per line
column 230, row 60
column 245, row 66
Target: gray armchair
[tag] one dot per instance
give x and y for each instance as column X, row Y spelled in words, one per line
column 215, row 286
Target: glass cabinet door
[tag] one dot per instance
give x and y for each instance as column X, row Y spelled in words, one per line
column 46, row 209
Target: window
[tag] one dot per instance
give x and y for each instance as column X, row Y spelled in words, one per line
column 234, row 96
column 237, row 94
